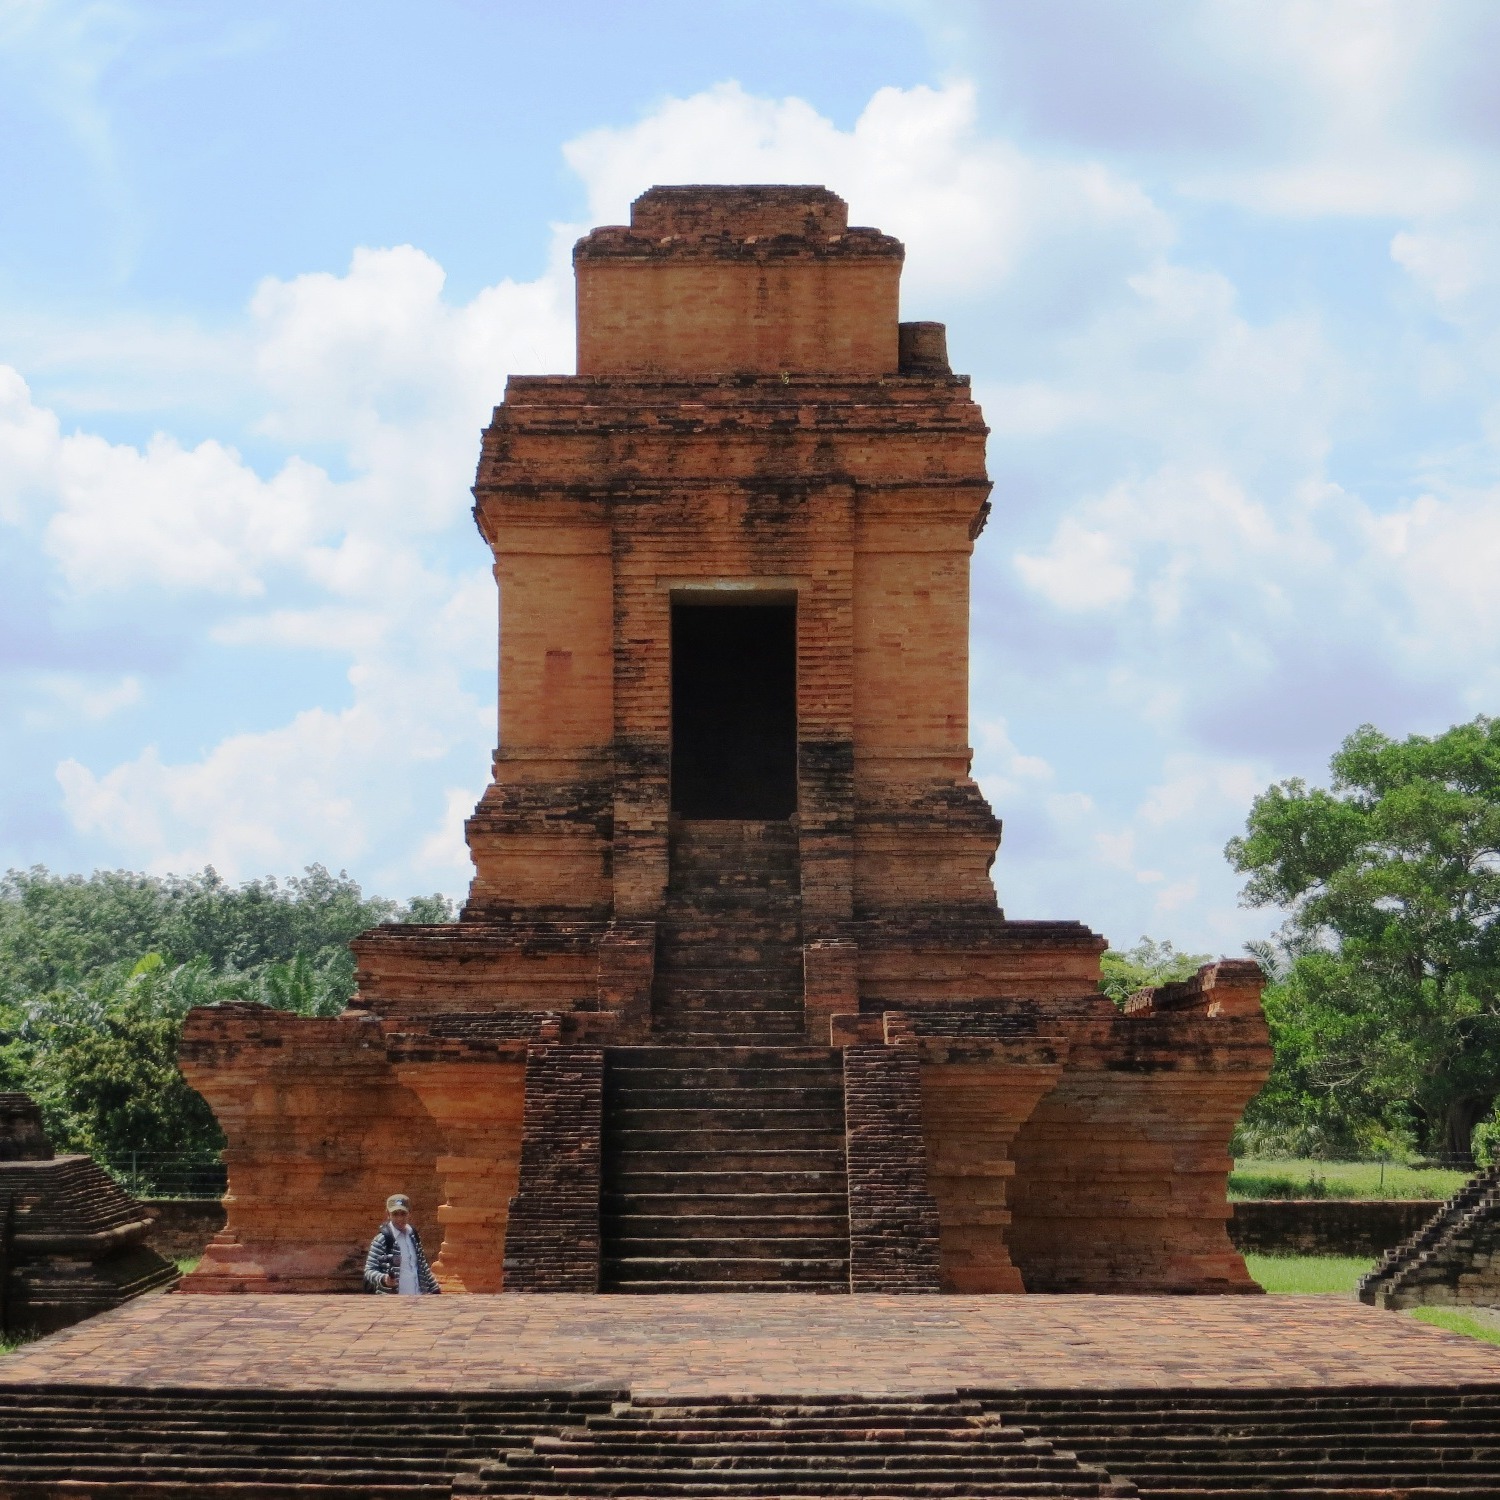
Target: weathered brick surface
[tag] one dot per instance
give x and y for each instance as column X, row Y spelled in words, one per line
column 182, row 1227
column 320, row 1132
column 1325, row 1226
column 552, row 1244
column 893, row 1220
column 750, row 422
column 72, row 1242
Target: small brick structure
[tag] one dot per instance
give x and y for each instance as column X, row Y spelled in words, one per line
column 72, row 1242
column 1453, row 1260
column 732, row 844
column 1326, row 1226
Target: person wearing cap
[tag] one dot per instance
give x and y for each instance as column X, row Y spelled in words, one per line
column 396, row 1264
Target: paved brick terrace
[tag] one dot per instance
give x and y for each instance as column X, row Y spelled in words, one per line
column 749, row 1344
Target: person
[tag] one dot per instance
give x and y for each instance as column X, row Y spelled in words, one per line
column 396, row 1264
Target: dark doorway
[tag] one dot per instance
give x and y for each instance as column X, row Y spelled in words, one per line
column 734, row 710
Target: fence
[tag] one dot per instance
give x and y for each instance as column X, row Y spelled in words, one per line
column 161, row 1174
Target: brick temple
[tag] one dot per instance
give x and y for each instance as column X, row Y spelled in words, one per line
column 731, row 1005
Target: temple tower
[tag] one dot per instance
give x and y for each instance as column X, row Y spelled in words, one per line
column 733, row 556
column 731, row 1005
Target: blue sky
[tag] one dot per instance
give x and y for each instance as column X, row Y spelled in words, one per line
column 1224, row 272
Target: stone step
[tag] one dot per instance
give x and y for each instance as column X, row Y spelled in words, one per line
column 654, row 1056
column 708, row 1143
column 626, row 1176
column 719, row 974
column 722, row 1205
column 754, row 893
column 842, row 1460
column 734, row 1031
column 692, row 1006
column 629, row 1246
column 957, row 1483
column 759, row 941
column 784, row 1228
column 736, row 999
column 732, row 1038
column 197, row 1484
column 626, row 1116
column 677, row 1289
column 819, row 1161
column 731, row 1075
column 825, row 1098
column 727, row 1270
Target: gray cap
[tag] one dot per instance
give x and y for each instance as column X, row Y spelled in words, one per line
column 397, row 1200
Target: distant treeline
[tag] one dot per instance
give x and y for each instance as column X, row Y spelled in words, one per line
column 97, row 972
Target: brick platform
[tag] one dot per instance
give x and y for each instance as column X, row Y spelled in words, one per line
column 745, row 1344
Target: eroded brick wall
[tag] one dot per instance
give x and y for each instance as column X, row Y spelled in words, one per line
column 893, row 1219
column 552, row 1242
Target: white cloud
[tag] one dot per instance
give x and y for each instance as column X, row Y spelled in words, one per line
column 970, row 207
column 1080, row 570
column 29, row 441
column 68, row 698
column 327, row 786
column 445, row 852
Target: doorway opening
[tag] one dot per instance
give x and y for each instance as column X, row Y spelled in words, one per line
column 734, row 711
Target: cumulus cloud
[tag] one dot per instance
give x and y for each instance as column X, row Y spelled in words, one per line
column 378, row 566
column 327, row 786
column 971, row 207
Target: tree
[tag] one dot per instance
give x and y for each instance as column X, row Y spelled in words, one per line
column 1390, row 1002
column 1124, row 971
column 97, row 973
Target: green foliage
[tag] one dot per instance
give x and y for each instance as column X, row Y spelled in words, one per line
column 1386, row 1011
column 1305, row 1275
column 97, row 973
column 1149, row 963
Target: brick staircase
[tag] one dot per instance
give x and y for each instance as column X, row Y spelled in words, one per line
column 724, row 1165
column 729, row 940
column 1401, row 1444
column 1444, row 1252
column 1411, row 1443
column 173, row 1445
column 724, row 1170
column 769, row 1446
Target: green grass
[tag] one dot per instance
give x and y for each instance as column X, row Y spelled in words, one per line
column 1340, row 1179
column 1289, row 1275
column 1457, row 1322
column 185, row 1263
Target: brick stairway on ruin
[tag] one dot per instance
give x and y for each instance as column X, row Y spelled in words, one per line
column 791, row 1446
column 724, row 1141
column 1457, row 1244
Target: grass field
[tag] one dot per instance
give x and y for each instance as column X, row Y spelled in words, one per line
column 1456, row 1321
column 1292, row 1275
column 1340, row 1179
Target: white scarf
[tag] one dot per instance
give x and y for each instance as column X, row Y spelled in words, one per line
column 407, row 1284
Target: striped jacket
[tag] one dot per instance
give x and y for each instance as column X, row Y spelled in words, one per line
column 384, row 1260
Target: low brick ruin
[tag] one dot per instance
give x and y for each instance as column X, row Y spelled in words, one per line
column 1452, row 1260
column 731, row 1005
column 72, row 1241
